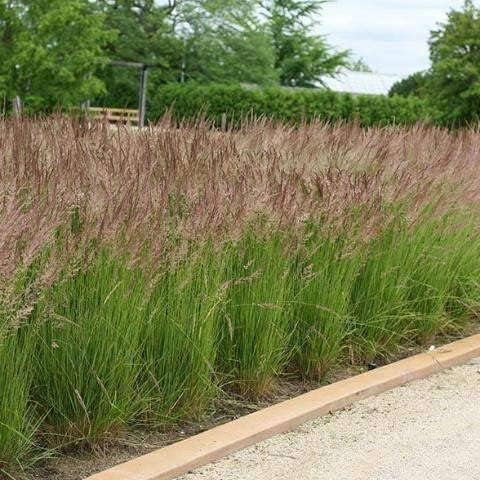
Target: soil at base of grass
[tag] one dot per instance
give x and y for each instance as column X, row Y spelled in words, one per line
column 78, row 464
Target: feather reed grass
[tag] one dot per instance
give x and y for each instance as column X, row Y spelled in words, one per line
column 143, row 271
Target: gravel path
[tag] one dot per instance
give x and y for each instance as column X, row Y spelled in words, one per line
column 427, row 430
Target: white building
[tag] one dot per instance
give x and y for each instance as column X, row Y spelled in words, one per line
column 358, row 83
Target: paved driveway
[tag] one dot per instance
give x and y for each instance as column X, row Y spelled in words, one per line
column 427, row 430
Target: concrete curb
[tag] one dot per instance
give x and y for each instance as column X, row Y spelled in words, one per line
column 178, row 458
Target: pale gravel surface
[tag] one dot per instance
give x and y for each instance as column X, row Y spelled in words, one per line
column 428, row 430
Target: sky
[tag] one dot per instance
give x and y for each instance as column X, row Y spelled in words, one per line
column 390, row 35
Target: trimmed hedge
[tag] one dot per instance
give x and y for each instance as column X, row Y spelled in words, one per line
column 188, row 101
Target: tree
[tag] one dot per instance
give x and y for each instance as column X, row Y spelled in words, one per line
column 359, row 65
column 225, row 41
column 145, row 34
column 199, row 40
column 414, row 85
column 301, row 57
column 51, row 49
column 454, row 86
column 9, row 27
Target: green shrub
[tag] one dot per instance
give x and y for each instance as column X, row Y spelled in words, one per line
column 234, row 102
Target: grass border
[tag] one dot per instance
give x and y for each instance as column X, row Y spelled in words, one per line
column 206, row 447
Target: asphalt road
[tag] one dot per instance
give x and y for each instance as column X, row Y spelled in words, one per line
column 428, row 430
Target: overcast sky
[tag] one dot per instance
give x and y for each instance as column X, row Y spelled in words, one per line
column 390, row 35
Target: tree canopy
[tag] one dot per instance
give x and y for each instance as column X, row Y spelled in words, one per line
column 452, row 84
column 49, row 50
column 57, row 53
column 144, row 34
column 359, row 65
column 301, row 56
column 225, row 42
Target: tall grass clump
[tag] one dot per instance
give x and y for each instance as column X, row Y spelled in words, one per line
column 326, row 271
column 178, row 337
column 382, row 318
column 442, row 287
column 86, row 361
column 18, row 425
column 254, row 334
column 409, row 281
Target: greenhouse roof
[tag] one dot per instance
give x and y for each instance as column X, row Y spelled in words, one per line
column 357, row 83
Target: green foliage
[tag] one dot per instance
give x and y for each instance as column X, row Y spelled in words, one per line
column 10, row 27
column 301, row 56
column 18, row 425
column 113, row 346
column 451, row 87
column 51, row 50
column 225, row 42
column 144, row 33
column 455, row 54
column 383, row 317
column 289, row 105
column 415, row 85
column 406, row 286
column 359, row 65
column 55, row 53
column 185, row 263
column 321, row 316
column 443, row 253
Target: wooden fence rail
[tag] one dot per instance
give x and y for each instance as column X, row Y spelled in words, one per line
column 115, row 115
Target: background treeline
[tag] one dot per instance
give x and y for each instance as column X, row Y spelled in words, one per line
column 57, row 54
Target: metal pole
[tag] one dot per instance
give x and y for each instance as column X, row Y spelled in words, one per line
column 143, row 96
column 17, row 106
column 184, row 61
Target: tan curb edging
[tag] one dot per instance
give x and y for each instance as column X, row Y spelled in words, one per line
column 178, row 458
